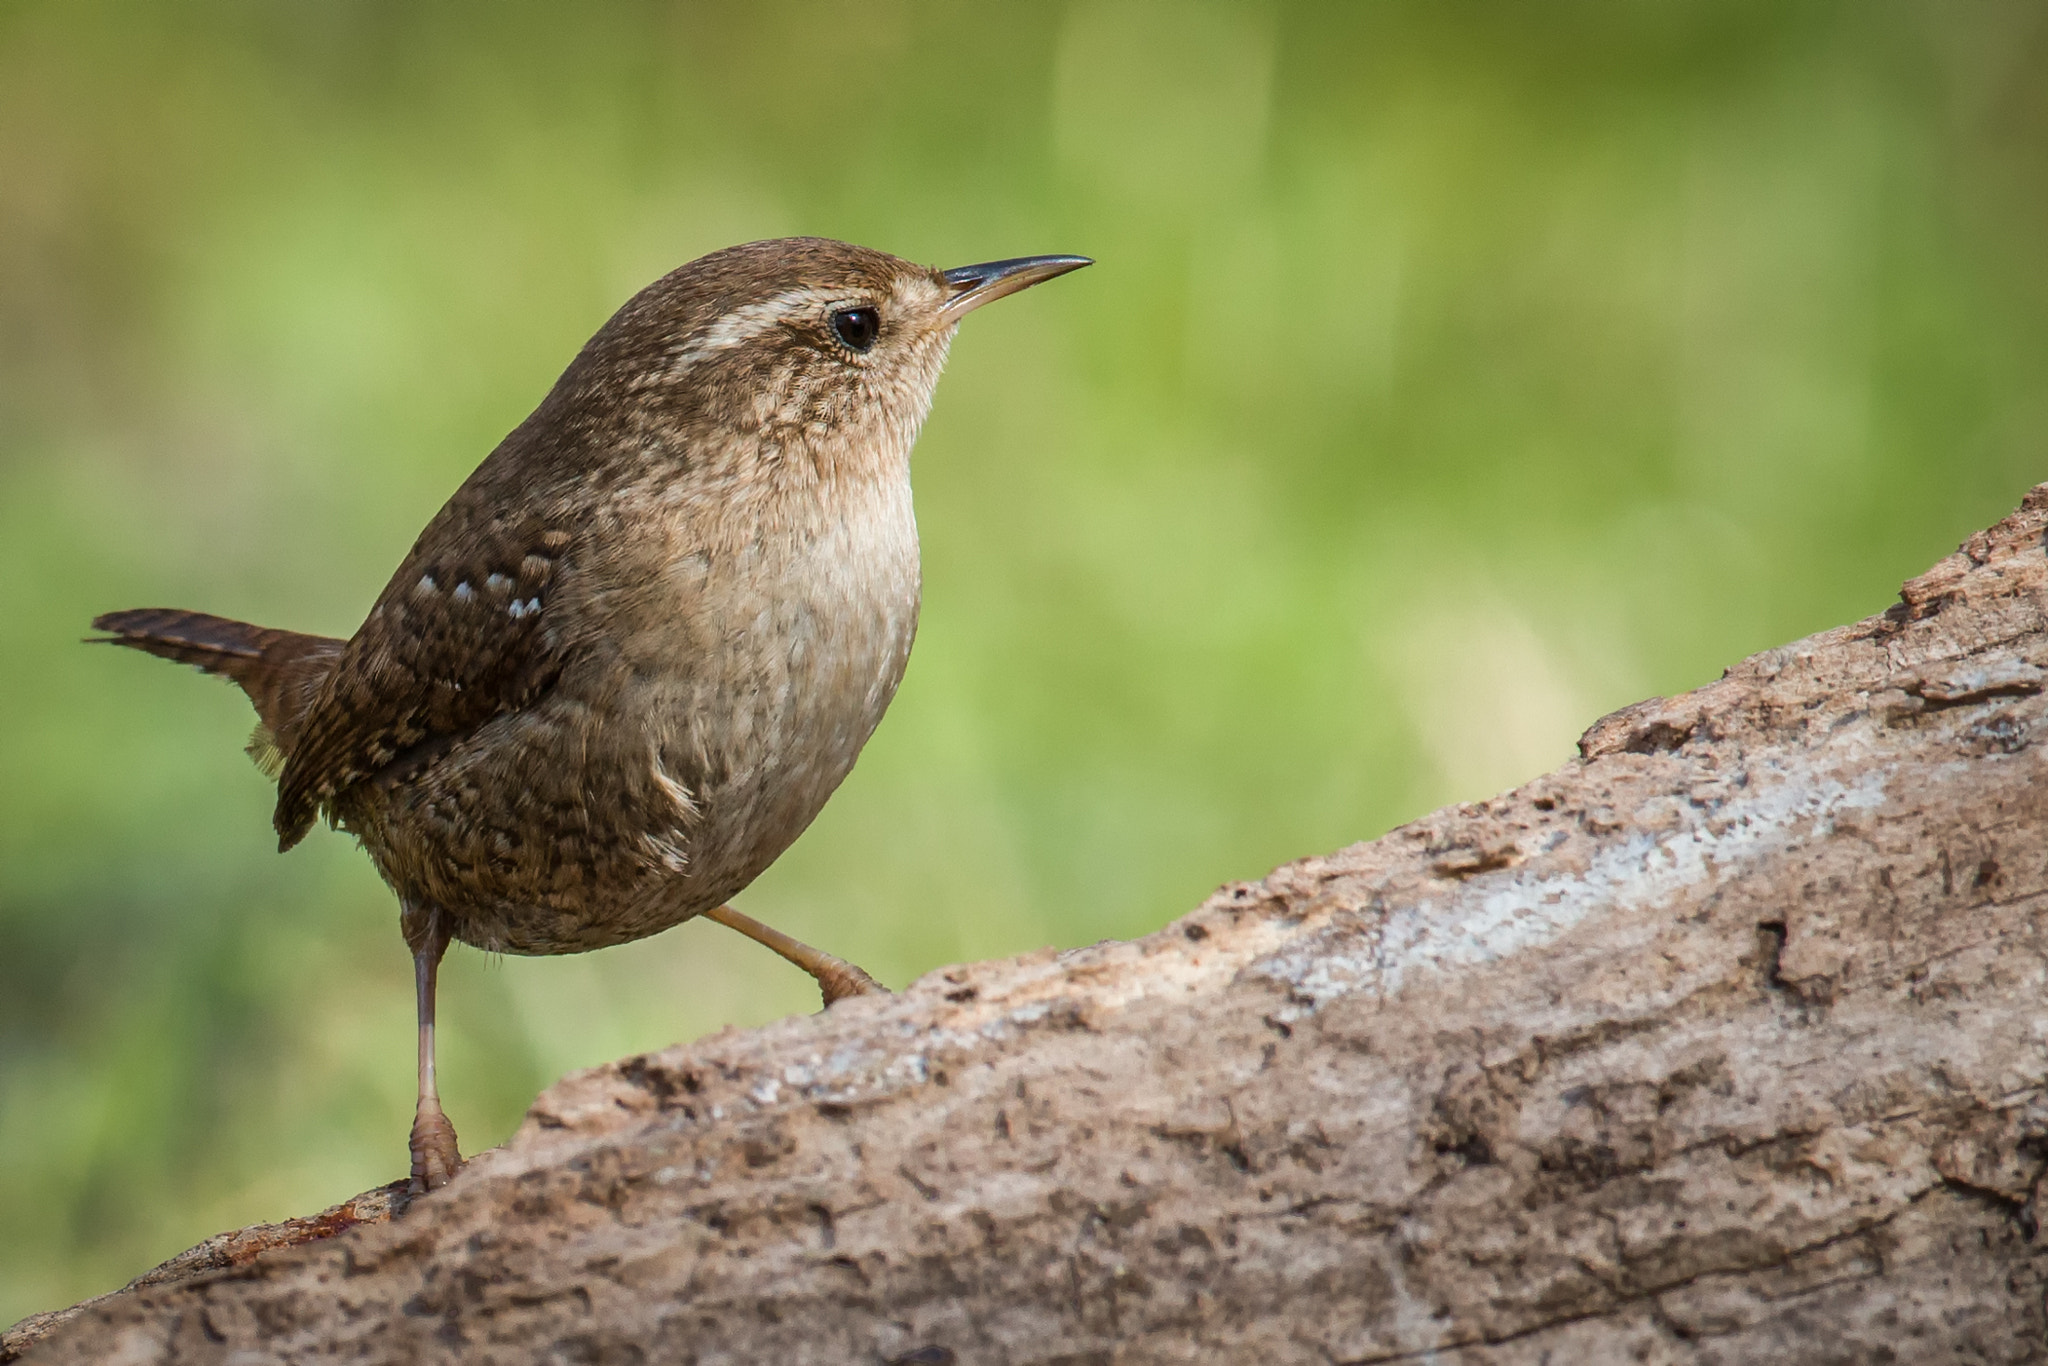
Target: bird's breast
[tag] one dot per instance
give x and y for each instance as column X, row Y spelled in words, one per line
column 756, row 670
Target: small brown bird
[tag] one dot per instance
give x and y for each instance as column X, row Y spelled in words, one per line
column 625, row 665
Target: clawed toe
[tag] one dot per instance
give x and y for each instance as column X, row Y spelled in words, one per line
column 839, row 979
column 435, row 1158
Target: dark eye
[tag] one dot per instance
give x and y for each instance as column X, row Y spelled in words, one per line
column 857, row 327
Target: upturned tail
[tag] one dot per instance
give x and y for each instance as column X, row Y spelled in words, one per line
column 281, row 671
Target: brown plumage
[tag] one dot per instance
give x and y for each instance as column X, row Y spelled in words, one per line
column 626, row 664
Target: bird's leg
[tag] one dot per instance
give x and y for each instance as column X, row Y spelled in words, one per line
column 837, row 979
column 435, row 1158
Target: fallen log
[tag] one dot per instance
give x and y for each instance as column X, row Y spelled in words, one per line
column 1724, row 1042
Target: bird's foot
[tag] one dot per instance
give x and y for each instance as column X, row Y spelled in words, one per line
column 435, row 1158
column 839, row 979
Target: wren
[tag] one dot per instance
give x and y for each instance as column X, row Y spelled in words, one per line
column 626, row 664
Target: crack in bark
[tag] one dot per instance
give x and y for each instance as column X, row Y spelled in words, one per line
column 1624, row 1300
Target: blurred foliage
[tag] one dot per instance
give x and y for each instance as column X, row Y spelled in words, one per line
column 1453, row 373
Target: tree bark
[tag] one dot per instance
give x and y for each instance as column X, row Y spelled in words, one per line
column 1722, row 1043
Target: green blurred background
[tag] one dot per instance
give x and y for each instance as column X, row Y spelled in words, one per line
column 1452, row 374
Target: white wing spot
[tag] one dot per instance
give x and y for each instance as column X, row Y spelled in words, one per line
column 427, row 584
column 497, row 583
column 463, row 592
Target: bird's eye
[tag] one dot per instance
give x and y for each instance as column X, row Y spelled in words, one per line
column 857, row 327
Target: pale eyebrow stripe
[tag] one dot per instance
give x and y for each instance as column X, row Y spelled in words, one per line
column 745, row 323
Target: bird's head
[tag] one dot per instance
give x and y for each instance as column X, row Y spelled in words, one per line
column 800, row 355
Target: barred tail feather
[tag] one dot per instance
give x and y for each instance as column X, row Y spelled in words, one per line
column 281, row 671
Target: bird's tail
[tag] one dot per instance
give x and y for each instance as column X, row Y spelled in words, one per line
column 281, row 671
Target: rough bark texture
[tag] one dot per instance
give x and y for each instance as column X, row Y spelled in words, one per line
column 1725, row 1043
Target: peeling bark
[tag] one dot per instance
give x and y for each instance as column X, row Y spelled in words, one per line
column 1722, row 1043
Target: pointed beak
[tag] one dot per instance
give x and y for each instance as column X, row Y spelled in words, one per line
column 969, row 287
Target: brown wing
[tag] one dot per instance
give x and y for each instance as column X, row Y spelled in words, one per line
column 458, row 637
